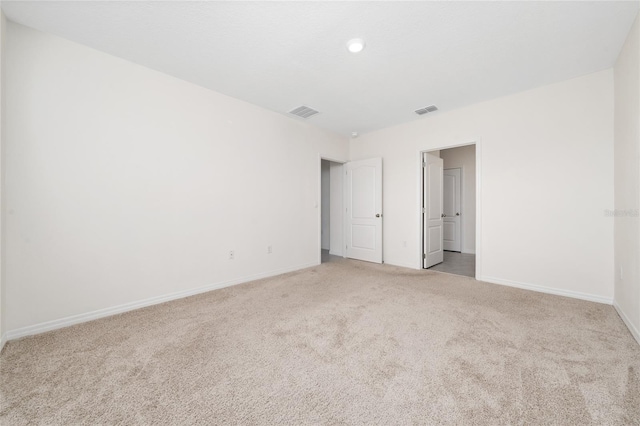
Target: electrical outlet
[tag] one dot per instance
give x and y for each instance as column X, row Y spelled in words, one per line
column 269, row 249
column 231, row 255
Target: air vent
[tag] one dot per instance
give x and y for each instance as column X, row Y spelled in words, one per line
column 426, row 109
column 303, row 111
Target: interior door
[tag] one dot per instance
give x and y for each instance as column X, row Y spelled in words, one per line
column 363, row 194
column 452, row 240
column 432, row 172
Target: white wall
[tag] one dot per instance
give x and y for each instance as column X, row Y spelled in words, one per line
column 326, row 205
column 546, row 169
column 124, row 184
column 627, row 181
column 337, row 216
column 3, row 24
column 464, row 158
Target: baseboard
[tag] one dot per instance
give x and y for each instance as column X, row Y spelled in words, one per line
column 549, row 290
column 101, row 313
column 3, row 340
column 333, row 253
column 634, row 331
column 401, row 264
column 468, row 251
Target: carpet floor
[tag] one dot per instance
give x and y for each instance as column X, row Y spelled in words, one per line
column 345, row 342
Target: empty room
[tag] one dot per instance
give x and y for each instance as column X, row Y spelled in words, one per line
column 229, row 212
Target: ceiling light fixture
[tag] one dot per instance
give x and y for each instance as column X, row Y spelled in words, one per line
column 355, row 45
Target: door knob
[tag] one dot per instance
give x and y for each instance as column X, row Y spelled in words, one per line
column 378, row 215
column 457, row 214
column 443, row 215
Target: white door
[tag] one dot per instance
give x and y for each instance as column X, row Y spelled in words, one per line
column 363, row 194
column 432, row 209
column 451, row 209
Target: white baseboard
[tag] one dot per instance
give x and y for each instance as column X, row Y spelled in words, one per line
column 401, row 264
column 549, row 290
column 101, row 313
column 335, row 253
column 634, row 331
column 469, row 251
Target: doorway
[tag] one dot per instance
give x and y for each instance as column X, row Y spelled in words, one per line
column 331, row 211
column 449, row 210
column 350, row 210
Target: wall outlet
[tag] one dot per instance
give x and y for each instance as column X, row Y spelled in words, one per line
column 231, row 255
column 269, row 249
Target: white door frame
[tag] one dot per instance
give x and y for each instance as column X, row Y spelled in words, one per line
column 419, row 192
column 319, row 203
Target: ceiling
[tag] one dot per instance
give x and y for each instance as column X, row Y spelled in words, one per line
column 280, row 55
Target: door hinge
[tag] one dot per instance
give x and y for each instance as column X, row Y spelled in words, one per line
column 423, row 210
column 424, row 164
column 424, row 255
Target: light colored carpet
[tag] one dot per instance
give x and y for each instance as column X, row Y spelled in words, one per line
column 343, row 343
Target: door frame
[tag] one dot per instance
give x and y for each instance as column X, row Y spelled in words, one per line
column 319, row 203
column 419, row 195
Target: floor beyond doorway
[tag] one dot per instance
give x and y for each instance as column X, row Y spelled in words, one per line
column 457, row 263
column 326, row 257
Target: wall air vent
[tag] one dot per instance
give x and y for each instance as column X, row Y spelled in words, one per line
column 303, row 111
column 426, row 109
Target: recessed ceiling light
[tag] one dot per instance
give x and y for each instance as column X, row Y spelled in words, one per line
column 355, row 45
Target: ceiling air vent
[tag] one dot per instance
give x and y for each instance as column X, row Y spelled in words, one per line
column 303, row 111
column 426, row 109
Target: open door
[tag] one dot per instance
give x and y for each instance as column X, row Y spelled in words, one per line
column 432, row 174
column 363, row 195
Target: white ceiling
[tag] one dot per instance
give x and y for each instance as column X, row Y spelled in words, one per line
column 281, row 55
